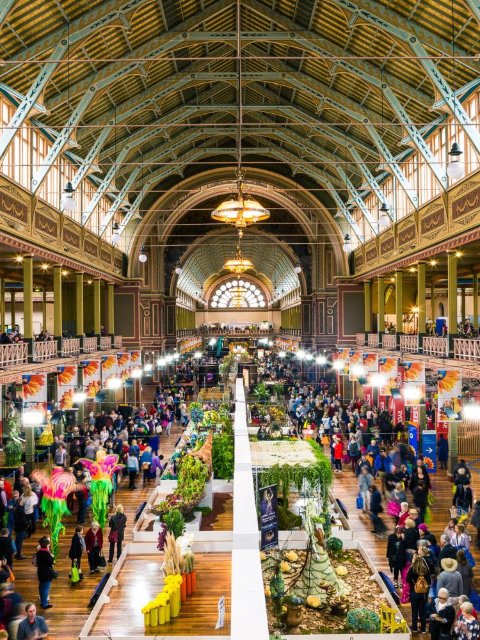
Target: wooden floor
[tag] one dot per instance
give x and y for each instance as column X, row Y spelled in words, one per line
column 140, row 580
column 70, row 602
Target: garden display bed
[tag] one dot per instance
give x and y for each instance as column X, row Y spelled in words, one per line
column 267, row 453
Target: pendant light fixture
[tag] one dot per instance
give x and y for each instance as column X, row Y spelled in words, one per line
column 298, row 267
column 455, row 167
column 143, row 256
column 347, row 245
column 384, row 218
column 178, row 268
column 239, row 264
column 116, row 235
column 68, row 202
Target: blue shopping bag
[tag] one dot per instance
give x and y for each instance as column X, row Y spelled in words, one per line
column 360, row 504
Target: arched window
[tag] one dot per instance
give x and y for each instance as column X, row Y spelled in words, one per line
column 238, row 294
column 441, row 310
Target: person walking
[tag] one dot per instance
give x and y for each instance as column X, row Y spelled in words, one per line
column 32, row 626
column 20, row 527
column 466, row 571
column 375, row 509
column 442, row 452
column 145, row 464
column 418, row 578
column 45, row 571
column 365, row 481
column 30, row 502
column 6, row 550
column 475, row 521
column 77, row 548
column 338, row 454
column 132, row 469
column 94, row 545
column 81, row 494
column 396, row 554
column 117, row 531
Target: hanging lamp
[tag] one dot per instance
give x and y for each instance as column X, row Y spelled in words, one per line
column 143, row 256
column 68, row 202
column 116, row 235
column 347, row 245
column 384, row 218
column 240, row 210
column 456, row 167
column 239, row 264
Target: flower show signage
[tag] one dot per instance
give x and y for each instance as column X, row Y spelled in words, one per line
column 123, row 365
column 67, row 381
column 268, row 516
column 449, row 395
column 34, row 394
column 388, row 368
column 91, row 377
column 414, row 381
column 109, row 368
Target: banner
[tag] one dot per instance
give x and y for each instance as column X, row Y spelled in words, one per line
column 343, row 355
column 368, row 395
column 391, row 404
column 91, row 377
column 268, row 517
column 400, row 376
column 370, row 362
column 355, row 358
column 398, row 410
column 429, row 450
column 414, row 380
column 382, row 402
column 415, row 414
column 442, row 427
column 109, row 368
column 388, row 368
column 123, row 365
column 413, row 437
column 34, row 394
column 449, row 394
column 67, row 381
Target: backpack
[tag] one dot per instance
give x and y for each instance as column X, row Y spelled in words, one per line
column 354, row 449
column 421, row 585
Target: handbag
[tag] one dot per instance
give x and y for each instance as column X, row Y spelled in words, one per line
column 11, row 577
column 393, row 508
column 54, row 574
column 75, row 576
column 145, row 466
column 101, row 560
column 474, row 598
column 113, row 536
column 360, row 503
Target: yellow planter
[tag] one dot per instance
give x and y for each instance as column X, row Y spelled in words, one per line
column 147, row 619
column 161, row 614
column 154, row 617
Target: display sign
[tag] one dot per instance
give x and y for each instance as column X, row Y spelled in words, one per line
column 429, row 450
column 268, row 517
column 67, row 381
column 398, row 410
column 368, row 395
column 109, row 368
column 370, row 362
column 382, row 403
column 91, row 377
column 355, row 358
column 415, row 414
column 449, row 394
column 413, row 436
column 388, row 368
column 414, row 382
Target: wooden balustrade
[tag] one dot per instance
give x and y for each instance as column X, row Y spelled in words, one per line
column 389, row 341
column 435, row 347
column 373, row 340
column 117, row 342
column 90, row 345
column 105, row 343
column 13, row 354
column 466, row 349
column 70, row 347
column 360, row 339
column 409, row 343
column 45, row 350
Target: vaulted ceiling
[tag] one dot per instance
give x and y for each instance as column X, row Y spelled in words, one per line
column 334, row 92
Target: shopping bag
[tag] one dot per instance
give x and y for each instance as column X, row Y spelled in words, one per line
column 360, row 503
column 393, row 508
column 102, row 562
column 75, row 576
column 474, row 598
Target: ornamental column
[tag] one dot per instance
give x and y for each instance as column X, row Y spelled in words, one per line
column 44, row 309
column 79, row 304
column 452, row 298
column 399, row 304
column 2, row 305
column 432, row 303
column 97, row 308
column 111, row 309
column 422, row 299
column 27, row 303
column 381, row 304
column 13, row 320
column 367, row 287
column 475, row 300
column 57, row 302
column 463, row 293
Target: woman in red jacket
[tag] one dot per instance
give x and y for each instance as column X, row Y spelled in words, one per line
column 94, row 544
column 338, row 454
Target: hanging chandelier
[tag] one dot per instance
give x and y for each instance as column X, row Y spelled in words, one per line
column 239, row 264
column 240, row 210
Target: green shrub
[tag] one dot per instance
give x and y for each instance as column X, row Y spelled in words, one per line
column 175, row 522
column 13, row 448
column 223, row 455
column 363, row 619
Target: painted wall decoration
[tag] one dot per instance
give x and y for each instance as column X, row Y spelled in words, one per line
column 34, row 394
column 92, row 382
column 67, row 381
column 355, row 358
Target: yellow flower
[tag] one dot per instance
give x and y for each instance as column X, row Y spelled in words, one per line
column 341, row 570
column 285, row 567
column 263, row 556
column 267, row 591
column 313, row 601
column 292, row 556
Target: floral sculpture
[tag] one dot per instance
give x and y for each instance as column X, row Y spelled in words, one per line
column 102, row 471
column 55, row 489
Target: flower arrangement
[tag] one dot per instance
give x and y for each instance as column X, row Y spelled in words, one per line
column 363, row 619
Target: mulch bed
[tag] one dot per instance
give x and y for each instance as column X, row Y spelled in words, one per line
column 219, row 501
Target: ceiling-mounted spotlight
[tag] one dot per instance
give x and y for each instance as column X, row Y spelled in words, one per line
column 116, row 236
column 178, row 268
column 143, row 256
column 68, row 202
column 347, row 245
column 298, row 267
column 384, row 218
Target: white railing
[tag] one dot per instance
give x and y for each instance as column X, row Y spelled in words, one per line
column 105, row 342
column 360, row 339
column 13, row 354
column 409, row 343
column 389, row 341
column 435, row 347
column 45, row 350
column 90, row 345
column 466, row 349
column 373, row 339
column 70, row 347
column 118, row 342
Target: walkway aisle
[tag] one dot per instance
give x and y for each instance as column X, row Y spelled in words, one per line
column 345, row 488
column 70, row 602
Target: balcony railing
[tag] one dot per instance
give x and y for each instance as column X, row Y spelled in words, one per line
column 389, row 341
column 286, row 332
column 466, row 349
column 45, row 350
column 373, row 340
column 105, row 343
column 435, row 347
column 360, row 339
column 90, row 345
column 70, row 347
column 181, row 333
column 12, row 355
column 409, row 343
column 117, row 342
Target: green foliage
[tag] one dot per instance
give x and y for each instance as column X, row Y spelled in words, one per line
column 262, row 393
column 204, row 510
column 287, row 520
column 227, row 367
column 223, row 455
column 363, row 619
column 12, row 423
column 196, row 411
column 175, row 522
column 13, row 448
column 334, row 545
column 278, row 389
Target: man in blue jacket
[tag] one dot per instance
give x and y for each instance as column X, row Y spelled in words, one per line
column 382, row 464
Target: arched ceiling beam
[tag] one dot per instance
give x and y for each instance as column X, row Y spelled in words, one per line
column 5, row 7
column 474, row 8
column 80, row 29
column 417, row 38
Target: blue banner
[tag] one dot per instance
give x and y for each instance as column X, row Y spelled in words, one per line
column 413, row 437
column 429, row 450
